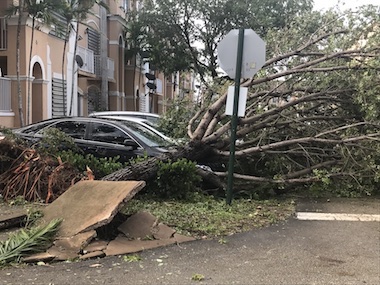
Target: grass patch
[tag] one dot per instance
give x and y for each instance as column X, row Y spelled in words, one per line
column 212, row 217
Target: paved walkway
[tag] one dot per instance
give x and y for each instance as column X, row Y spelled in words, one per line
column 295, row 252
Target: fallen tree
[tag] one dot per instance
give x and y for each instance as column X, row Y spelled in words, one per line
column 312, row 111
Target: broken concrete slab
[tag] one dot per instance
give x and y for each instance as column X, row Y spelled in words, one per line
column 70, row 248
column 11, row 219
column 8, row 220
column 91, row 209
column 96, row 245
column 181, row 238
column 43, row 256
column 143, row 225
column 88, row 205
column 76, row 243
column 142, row 231
column 123, row 245
column 162, row 231
column 63, row 249
column 62, row 254
column 14, row 216
column 138, row 226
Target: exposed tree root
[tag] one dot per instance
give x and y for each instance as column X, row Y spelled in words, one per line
column 32, row 176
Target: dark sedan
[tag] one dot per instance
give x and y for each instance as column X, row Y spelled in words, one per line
column 102, row 137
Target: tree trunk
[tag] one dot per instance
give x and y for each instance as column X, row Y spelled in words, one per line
column 147, row 170
column 30, row 73
column 73, row 68
column 19, row 95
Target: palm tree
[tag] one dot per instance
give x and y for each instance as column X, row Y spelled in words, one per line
column 38, row 10
column 137, row 44
column 74, row 11
column 77, row 11
column 19, row 95
column 68, row 13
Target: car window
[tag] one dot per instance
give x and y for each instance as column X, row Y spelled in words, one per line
column 35, row 127
column 76, row 130
column 146, row 135
column 108, row 133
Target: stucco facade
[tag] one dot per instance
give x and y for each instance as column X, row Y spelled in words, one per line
column 88, row 72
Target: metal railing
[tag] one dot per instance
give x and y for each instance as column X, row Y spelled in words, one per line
column 110, row 67
column 5, row 94
column 3, row 33
column 87, row 56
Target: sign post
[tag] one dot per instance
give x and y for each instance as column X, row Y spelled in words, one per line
column 245, row 65
column 239, row 62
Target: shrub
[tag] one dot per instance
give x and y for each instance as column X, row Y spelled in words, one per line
column 176, row 180
column 99, row 166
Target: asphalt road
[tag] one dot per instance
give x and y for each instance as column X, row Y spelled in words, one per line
column 295, row 252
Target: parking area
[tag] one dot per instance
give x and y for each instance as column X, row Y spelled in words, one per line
column 293, row 252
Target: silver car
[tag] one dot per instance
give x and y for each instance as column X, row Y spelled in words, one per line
column 150, row 118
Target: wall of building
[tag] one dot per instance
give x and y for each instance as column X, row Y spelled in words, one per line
column 127, row 90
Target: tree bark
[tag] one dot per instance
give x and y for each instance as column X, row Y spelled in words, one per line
column 19, row 94
column 147, row 170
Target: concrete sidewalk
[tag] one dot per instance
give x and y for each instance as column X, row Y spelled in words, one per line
column 295, row 252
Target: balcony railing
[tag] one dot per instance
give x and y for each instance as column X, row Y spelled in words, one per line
column 110, row 67
column 5, row 94
column 3, row 33
column 91, row 63
column 87, row 56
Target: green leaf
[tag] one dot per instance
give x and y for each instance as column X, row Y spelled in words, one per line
column 26, row 242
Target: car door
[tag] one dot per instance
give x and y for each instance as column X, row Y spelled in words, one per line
column 108, row 140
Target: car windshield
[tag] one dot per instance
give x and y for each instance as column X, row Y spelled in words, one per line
column 146, row 135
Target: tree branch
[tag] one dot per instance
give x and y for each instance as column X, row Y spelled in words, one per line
column 270, row 180
column 303, row 47
column 276, row 145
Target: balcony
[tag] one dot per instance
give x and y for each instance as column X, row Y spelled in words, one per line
column 3, row 34
column 5, row 95
column 87, row 56
column 110, row 67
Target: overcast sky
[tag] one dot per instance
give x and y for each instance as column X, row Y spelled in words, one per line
column 325, row 4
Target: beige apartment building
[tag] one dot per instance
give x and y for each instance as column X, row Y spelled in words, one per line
column 88, row 73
